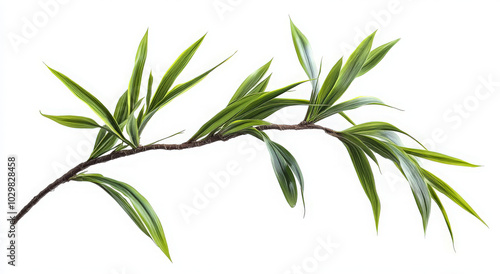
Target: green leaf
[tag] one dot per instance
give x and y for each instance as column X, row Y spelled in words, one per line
column 150, row 87
column 411, row 171
column 143, row 209
column 133, row 131
column 134, row 85
column 91, row 101
column 436, row 199
column 270, row 107
column 283, row 172
column 304, row 53
column 260, row 87
column 376, row 56
column 365, row 175
column 347, row 118
column 350, row 70
column 447, row 190
column 379, row 147
column 250, row 82
column 349, row 105
column 355, row 141
column 176, row 91
column 367, row 128
column 239, row 125
column 172, row 135
column 73, row 121
column 243, row 105
column 326, row 88
column 437, row 157
column 174, row 71
column 294, row 166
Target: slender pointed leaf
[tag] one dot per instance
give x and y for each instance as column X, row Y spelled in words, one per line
column 135, row 81
column 174, row 71
column 436, row 199
column 377, row 126
column 250, row 82
column 349, row 105
column 365, row 175
column 351, row 68
column 142, row 207
column 437, row 157
column 73, row 121
column 376, row 56
column 133, row 131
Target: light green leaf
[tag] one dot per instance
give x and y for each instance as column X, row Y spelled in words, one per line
column 437, row 157
column 91, row 101
column 350, row 70
column 376, row 56
column 347, row 118
column 436, row 199
column 365, row 175
column 135, row 81
column 143, row 209
column 250, row 82
column 174, row 71
column 73, row 121
column 447, row 190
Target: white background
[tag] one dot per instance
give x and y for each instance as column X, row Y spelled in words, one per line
column 436, row 73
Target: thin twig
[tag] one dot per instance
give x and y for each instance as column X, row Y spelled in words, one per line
column 123, row 153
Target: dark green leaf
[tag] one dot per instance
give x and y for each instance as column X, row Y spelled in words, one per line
column 367, row 128
column 132, row 130
column 150, row 87
column 349, row 105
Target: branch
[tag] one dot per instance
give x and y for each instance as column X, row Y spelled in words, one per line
column 123, row 153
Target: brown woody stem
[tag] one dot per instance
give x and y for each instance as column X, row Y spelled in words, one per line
column 123, row 153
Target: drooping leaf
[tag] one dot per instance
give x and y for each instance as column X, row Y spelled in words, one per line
column 174, row 71
column 135, row 81
column 355, row 141
column 369, row 127
column 436, row 199
column 376, row 56
column 73, row 121
column 347, row 118
column 437, row 157
column 91, row 101
column 142, row 207
column 365, row 175
column 413, row 175
column 447, row 190
column 349, row 71
column 283, row 172
column 250, row 82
